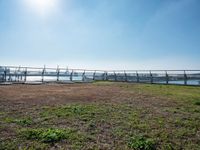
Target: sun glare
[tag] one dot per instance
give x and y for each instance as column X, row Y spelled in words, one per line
column 42, row 7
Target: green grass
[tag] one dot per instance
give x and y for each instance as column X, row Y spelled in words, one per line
column 187, row 93
column 197, row 102
column 22, row 122
column 46, row 135
column 83, row 112
column 141, row 143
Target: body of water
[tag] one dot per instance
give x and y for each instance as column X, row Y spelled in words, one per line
column 79, row 78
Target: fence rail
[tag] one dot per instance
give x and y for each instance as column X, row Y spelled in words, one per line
column 13, row 74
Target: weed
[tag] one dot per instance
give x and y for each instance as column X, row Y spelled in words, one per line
column 46, row 135
column 22, row 122
column 141, row 143
column 2, row 113
column 197, row 103
column 168, row 147
column 84, row 112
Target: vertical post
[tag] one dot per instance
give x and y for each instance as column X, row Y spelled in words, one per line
column 67, row 71
column 125, row 75
column 5, row 74
column 18, row 74
column 25, row 74
column 58, row 73
column 151, row 77
column 10, row 79
column 167, row 77
column 106, row 76
column 71, row 75
column 43, row 71
column 138, row 78
column 115, row 76
column 83, row 76
column 185, row 78
column 21, row 76
column 94, row 74
column 15, row 74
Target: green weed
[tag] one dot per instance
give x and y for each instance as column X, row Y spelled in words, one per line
column 46, row 135
column 141, row 143
column 22, row 122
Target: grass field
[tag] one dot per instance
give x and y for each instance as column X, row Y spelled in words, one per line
column 101, row 115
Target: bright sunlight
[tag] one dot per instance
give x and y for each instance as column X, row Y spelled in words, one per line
column 42, row 7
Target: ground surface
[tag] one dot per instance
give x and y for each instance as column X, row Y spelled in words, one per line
column 100, row 115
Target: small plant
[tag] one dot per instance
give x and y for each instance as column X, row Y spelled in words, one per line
column 23, row 122
column 85, row 112
column 141, row 143
column 46, row 135
column 197, row 102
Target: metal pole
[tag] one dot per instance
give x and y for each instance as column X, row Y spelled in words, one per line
column 115, row 76
column 167, row 77
column 94, row 74
column 138, row 79
column 71, row 75
column 58, row 73
column 185, row 78
column 43, row 71
column 25, row 74
column 83, row 76
column 151, row 77
column 67, row 71
column 5, row 74
column 125, row 76
column 106, row 76
column 15, row 74
column 10, row 79
column 18, row 73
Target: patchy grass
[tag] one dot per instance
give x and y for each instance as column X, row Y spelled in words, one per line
column 186, row 93
column 22, row 122
column 46, row 135
column 84, row 112
column 109, row 116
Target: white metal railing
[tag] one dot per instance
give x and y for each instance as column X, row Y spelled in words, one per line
column 35, row 74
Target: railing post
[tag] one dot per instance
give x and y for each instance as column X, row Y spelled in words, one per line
column 125, row 75
column 25, row 74
column 71, row 75
column 43, row 71
column 151, row 78
column 18, row 73
column 115, row 76
column 185, row 78
column 138, row 78
column 167, row 77
column 58, row 73
column 15, row 74
column 83, row 76
column 106, row 76
column 9, row 79
column 94, row 74
column 5, row 74
column 67, row 72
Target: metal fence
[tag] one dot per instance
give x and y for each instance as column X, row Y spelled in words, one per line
column 13, row 74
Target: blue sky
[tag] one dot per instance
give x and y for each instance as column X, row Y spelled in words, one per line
column 101, row 34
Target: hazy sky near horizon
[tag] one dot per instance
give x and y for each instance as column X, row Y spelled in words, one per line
column 101, row 34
